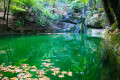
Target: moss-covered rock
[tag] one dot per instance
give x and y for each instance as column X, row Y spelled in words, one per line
column 113, row 40
column 113, row 27
column 97, row 19
column 100, row 10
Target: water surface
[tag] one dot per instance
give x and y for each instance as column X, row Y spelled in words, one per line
column 60, row 56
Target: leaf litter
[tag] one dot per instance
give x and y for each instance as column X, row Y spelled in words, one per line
column 25, row 72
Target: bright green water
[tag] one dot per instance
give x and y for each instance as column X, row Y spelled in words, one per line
column 80, row 54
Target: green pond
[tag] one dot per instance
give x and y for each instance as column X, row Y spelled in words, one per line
column 54, row 57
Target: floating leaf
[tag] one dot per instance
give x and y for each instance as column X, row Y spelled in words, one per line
column 1, row 75
column 5, row 78
column 70, row 73
column 56, row 72
column 14, row 78
column 33, row 67
column 41, row 75
column 64, row 72
column 33, row 70
column 21, row 75
column 61, row 76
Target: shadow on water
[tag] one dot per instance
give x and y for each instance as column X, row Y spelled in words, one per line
column 78, row 57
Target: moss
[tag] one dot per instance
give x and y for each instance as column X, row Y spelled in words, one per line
column 113, row 40
column 100, row 10
column 109, row 12
column 118, row 58
column 114, row 26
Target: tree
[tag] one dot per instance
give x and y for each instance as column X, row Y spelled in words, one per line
column 115, row 5
column 112, row 8
column 5, row 8
column 108, row 11
column 8, row 11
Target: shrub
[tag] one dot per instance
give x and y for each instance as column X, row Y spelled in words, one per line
column 20, row 23
column 17, row 10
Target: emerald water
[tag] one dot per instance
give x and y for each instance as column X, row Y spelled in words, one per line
column 54, row 57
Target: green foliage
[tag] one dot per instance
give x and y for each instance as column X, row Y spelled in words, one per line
column 80, row 2
column 41, row 21
column 1, row 5
column 100, row 10
column 77, row 5
column 17, row 2
column 20, row 23
column 114, row 26
column 29, row 3
column 16, row 10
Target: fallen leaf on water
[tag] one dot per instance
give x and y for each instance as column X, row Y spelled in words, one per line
column 33, row 67
column 24, row 65
column 47, row 65
column 27, row 69
column 24, row 71
column 41, row 79
column 17, row 67
column 29, row 78
column 61, row 76
column 64, row 72
column 33, row 70
column 1, row 75
column 13, row 71
column 70, row 73
column 44, row 63
column 40, row 72
column 47, row 60
column 14, row 78
column 12, row 66
column 28, row 75
column 57, row 68
column 7, row 69
column 46, row 78
column 56, row 72
column 35, row 79
column 52, row 69
column 1, row 68
column 18, row 70
column 5, row 78
column 41, row 75
column 21, row 75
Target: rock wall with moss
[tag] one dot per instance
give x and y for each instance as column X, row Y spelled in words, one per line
column 113, row 40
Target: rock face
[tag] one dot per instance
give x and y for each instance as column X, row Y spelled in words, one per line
column 69, row 23
column 113, row 40
column 96, row 19
column 64, row 27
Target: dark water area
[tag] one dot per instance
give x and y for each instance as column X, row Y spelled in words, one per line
column 56, row 57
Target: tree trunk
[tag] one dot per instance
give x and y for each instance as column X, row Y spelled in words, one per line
column 109, row 12
column 53, row 8
column 115, row 5
column 8, row 12
column 95, row 4
column 4, row 10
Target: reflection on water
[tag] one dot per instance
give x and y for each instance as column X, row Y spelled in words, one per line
column 78, row 57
